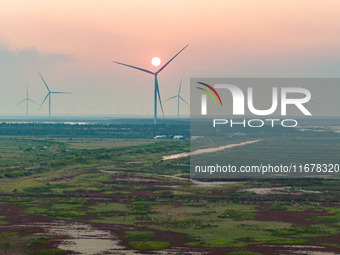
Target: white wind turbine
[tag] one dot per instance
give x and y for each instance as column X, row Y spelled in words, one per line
column 178, row 98
column 49, row 96
column 156, row 89
column 27, row 99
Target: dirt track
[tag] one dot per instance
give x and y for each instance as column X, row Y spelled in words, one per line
column 208, row 150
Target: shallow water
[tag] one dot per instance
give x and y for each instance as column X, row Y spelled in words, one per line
column 84, row 239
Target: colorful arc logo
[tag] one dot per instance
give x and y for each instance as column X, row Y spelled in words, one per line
column 209, row 93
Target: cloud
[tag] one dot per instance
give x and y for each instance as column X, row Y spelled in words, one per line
column 59, row 57
column 20, row 67
column 30, row 56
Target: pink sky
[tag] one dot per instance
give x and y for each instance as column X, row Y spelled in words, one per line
column 72, row 43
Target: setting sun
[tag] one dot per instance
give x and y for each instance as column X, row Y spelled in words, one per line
column 156, row 61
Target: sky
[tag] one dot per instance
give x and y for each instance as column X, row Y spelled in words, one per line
column 73, row 43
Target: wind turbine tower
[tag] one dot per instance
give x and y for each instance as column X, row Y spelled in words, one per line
column 156, row 89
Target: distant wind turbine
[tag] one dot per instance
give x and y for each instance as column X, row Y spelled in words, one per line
column 27, row 99
column 178, row 98
column 49, row 96
column 156, row 82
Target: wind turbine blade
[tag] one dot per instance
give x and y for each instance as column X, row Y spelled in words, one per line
column 22, row 101
column 55, row 92
column 44, row 100
column 183, row 100
column 167, row 63
column 140, row 69
column 44, row 82
column 169, row 98
column 159, row 95
column 180, row 86
column 32, row 101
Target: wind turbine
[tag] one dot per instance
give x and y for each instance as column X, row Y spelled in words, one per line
column 49, row 96
column 156, row 82
column 27, row 99
column 178, row 98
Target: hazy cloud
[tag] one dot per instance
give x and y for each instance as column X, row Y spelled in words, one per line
column 30, row 56
column 20, row 67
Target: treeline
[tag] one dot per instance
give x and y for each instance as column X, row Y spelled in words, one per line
column 93, row 130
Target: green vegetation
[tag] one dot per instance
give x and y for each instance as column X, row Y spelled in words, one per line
column 102, row 179
column 149, row 245
column 243, row 253
column 139, row 235
column 333, row 217
column 3, row 222
column 22, row 242
column 51, row 252
column 278, row 207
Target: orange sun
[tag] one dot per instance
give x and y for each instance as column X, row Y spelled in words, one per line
column 156, row 61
